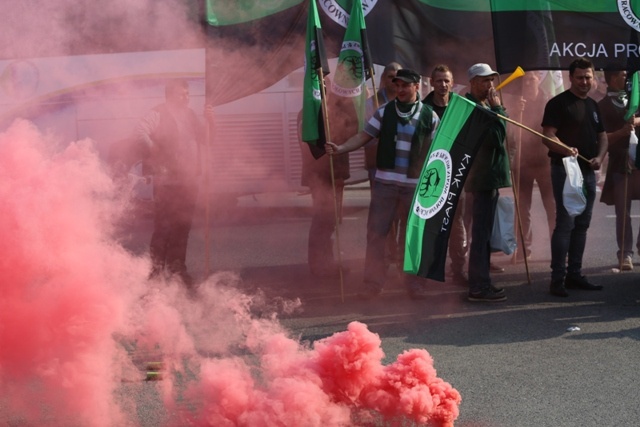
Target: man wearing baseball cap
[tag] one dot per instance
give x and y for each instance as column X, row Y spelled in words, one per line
column 489, row 172
column 404, row 128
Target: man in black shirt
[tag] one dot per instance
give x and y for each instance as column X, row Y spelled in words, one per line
column 573, row 119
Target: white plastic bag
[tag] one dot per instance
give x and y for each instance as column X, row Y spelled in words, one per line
column 573, row 194
column 633, row 148
column 503, row 236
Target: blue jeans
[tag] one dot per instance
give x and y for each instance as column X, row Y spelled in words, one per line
column 570, row 234
column 385, row 199
column 484, row 210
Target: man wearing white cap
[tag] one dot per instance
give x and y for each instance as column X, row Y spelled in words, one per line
column 490, row 171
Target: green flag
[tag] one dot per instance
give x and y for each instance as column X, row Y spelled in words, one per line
column 315, row 59
column 349, row 81
column 448, row 163
column 634, row 97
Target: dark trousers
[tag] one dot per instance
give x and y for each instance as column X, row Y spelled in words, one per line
column 570, row 234
column 387, row 202
column 484, row 210
column 174, row 208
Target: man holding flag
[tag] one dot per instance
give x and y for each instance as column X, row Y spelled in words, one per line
column 489, row 172
column 572, row 119
column 343, row 115
column 404, row 129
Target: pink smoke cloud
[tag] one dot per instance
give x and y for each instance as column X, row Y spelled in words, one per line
column 340, row 382
column 78, row 317
column 60, row 293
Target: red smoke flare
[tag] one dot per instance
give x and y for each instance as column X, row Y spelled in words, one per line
column 70, row 296
column 338, row 383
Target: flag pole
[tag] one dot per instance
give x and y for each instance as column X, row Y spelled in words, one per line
column 376, row 103
column 207, row 164
column 516, row 184
column 561, row 144
column 518, row 159
column 327, row 133
column 207, row 207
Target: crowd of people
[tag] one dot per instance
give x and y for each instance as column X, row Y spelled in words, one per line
column 397, row 135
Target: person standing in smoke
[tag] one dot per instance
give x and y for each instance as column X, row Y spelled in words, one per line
column 573, row 119
column 532, row 164
column 174, row 139
column 386, row 93
column 438, row 99
column 316, row 174
column 489, row 172
column 404, row 129
column 621, row 172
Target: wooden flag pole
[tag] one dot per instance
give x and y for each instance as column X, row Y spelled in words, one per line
column 375, row 92
column 516, row 186
column 538, row 134
column 520, row 230
column 327, row 133
column 207, row 207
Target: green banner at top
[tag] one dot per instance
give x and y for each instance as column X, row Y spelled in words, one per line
column 230, row 12
column 532, row 34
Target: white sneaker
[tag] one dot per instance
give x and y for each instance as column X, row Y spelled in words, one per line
column 627, row 264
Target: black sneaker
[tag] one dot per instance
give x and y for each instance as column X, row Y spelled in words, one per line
column 487, row 295
column 556, row 288
column 580, row 282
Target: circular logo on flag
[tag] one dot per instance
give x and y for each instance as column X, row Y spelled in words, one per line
column 338, row 10
column 627, row 13
column 349, row 76
column 434, row 184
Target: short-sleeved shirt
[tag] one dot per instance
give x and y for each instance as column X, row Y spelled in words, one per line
column 578, row 122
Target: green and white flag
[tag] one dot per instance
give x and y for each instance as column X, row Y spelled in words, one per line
column 315, row 59
column 450, row 157
column 351, row 74
column 634, row 97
